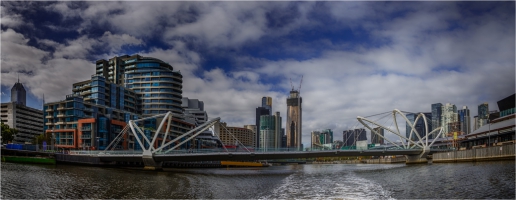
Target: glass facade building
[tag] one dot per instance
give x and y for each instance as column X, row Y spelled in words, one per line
column 465, row 120
column 436, row 117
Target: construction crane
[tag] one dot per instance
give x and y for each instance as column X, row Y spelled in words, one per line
column 301, row 82
column 291, row 85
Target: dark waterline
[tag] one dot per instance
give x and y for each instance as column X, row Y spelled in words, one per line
column 361, row 181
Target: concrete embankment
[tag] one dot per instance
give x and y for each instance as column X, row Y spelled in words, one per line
column 504, row 152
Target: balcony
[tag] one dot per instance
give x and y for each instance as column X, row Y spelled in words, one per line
column 61, row 108
column 85, row 93
column 61, row 122
column 60, row 115
column 85, row 136
column 49, row 123
column 88, row 109
column 49, row 116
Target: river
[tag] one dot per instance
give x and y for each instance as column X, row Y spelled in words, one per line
column 351, row 181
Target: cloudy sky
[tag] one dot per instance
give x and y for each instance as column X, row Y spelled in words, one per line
column 356, row 58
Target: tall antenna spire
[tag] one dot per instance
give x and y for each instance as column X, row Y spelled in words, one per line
column 18, row 77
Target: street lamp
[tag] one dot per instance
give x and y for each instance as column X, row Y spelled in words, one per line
column 489, row 133
column 98, row 143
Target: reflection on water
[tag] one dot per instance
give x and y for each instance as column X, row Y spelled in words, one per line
column 361, row 181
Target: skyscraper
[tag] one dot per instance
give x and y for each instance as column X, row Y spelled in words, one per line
column 350, row 137
column 448, row 118
column 278, row 133
column 419, row 126
column 465, row 120
column 267, row 132
column 375, row 139
column 294, row 120
column 267, row 103
column 18, row 94
column 436, row 117
column 259, row 112
column 483, row 114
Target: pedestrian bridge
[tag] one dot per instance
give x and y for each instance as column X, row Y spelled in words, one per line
column 154, row 154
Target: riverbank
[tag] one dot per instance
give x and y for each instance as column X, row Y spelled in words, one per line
column 31, row 160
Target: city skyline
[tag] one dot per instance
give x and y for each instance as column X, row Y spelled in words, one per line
column 357, row 58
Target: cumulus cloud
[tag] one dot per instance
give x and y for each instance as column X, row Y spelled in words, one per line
column 412, row 55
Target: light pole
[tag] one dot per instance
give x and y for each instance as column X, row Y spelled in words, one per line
column 489, row 133
column 98, row 143
column 53, row 138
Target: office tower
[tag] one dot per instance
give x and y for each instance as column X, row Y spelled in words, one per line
column 294, row 120
column 259, row 112
column 375, row 139
column 448, row 118
column 195, row 108
column 277, row 130
column 18, row 94
column 243, row 135
column 267, row 103
column 350, row 137
column 465, row 120
column 436, row 117
column 420, row 125
column 267, row 132
column 28, row 121
column 483, row 115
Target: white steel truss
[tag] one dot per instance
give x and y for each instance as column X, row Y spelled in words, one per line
column 133, row 129
column 421, row 142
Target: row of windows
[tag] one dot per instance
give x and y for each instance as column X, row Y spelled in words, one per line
column 152, row 79
column 157, row 90
column 160, row 106
column 160, row 95
column 131, row 73
column 159, row 101
column 153, row 84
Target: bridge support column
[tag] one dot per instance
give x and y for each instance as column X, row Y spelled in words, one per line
column 149, row 162
column 424, row 158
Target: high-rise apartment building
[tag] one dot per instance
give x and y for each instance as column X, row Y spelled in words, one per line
column 277, row 130
column 465, row 120
column 375, row 139
column 436, row 117
column 259, row 112
column 350, row 137
column 155, row 81
column 483, row 115
column 195, row 108
column 123, row 88
column 28, row 121
column 322, row 139
column 419, row 126
column 449, row 118
column 294, row 120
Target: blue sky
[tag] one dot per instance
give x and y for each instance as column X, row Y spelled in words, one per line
column 357, row 58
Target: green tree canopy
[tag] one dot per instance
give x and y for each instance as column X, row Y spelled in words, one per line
column 8, row 133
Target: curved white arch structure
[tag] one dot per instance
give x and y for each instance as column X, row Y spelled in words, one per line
column 421, row 142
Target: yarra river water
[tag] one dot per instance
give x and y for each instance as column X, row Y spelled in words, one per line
column 320, row 181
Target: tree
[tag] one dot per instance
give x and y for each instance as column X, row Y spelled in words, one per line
column 8, row 133
column 42, row 137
